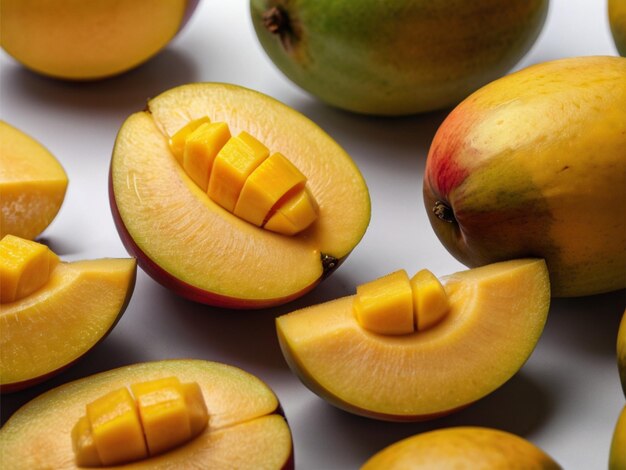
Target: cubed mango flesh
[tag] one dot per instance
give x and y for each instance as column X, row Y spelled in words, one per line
column 385, row 305
column 294, row 215
column 233, row 165
column 116, row 428
column 397, row 305
column 239, row 174
column 178, row 140
column 201, row 148
column 430, row 301
column 25, row 267
column 121, row 427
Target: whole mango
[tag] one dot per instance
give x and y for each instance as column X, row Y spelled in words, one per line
column 534, row 164
column 399, row 56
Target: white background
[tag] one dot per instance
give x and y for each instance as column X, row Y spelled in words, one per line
column 567, row 397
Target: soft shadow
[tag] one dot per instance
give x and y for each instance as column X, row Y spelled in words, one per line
column 519, row 407
column 588, row 324
column 123, row 93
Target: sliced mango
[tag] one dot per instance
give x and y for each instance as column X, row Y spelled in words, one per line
column 61, row 321
column 294, row 215
column 233, row 165
column 25, row 267
column 430, row 301
column 32, row 184
column 385, row 305
column 179, row 139
column 201, row 149
column 116, row 428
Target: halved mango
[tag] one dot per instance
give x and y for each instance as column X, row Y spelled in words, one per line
column 496, row 315
column 198, row 249
column 32, row 184
column 246, row 429
column 54, row 326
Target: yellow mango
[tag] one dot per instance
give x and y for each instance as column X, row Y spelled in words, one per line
column 83, row 444
column 272, row 180
column 178, row 140
column 25, row 267
column 233, row 165
column 295, row 214
column 116, row 428
column 430, row 301
column 201, row 148
column 196, row 407
column 163, row 413
column 385, row 305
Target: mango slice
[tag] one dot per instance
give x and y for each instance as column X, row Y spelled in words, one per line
column 496, row 316
column 25, row 267
column 32, row 184
column 58, row 323
column 164, row 411
column 246, row 431
column 239, row 174
column 395, row 305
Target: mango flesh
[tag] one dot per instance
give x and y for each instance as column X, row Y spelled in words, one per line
column 245, row 429
column 394, row 58
column 617, row 21
column 77, row 40
column 32, row 184
column 193, row 246
column 497, row 313
column 25, row 267
column 617, row 453
column 57, row 324
column 533, row 164
column 460, row 448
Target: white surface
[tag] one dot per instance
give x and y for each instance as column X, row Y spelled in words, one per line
column 566, row 398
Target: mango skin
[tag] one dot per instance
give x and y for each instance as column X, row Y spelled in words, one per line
column 477, row 448
column 398, row 57
column 534, row 164
column 617, row 21
column 77, row 40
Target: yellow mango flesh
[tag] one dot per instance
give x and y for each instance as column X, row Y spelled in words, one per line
column 294, row 215
column 32, row 184
column 617, row 453
column 25, row 267
column 62, row 320
column 116, row 428
column 237, row 160
column 177, row 141
column 385, row 305
column 271, row 181
column 462, row 447
column 430, row 301
column 84, row 445
column 497, row 313
column 152, row 191
column 201, row 149
column 244, row 431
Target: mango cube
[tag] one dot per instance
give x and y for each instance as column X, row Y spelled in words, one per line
column 83, row 444
column 163, row 413
column 179, row 139
column 25, row 267
column 201, row 148
column 116, row 428
column 385, row 305
column 273, row 179
column 296, row 214
column 233, row 165
column 430, row 300
column 196, row 407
